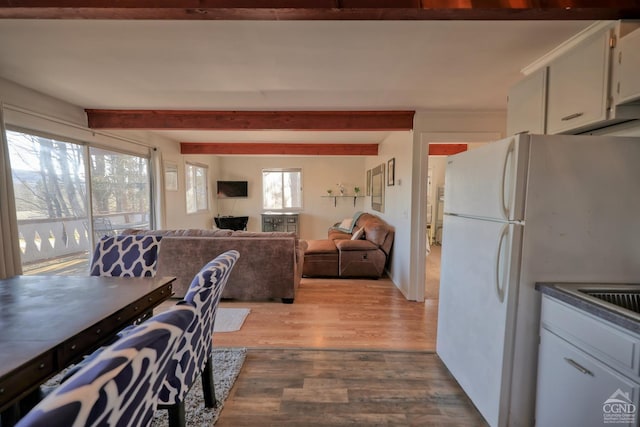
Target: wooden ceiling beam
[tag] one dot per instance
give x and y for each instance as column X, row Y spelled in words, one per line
column 322, row 9
column 251, row 120
column 446, row 149
column 254, row 149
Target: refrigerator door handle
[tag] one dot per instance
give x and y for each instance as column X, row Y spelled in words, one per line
column 500, row 289
column 503, row 204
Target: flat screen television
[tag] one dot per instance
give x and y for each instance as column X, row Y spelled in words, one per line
column 230, row 189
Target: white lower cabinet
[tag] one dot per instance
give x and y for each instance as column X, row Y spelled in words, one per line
column 575, row 389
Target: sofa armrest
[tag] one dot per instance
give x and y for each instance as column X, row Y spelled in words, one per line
column 355, row 245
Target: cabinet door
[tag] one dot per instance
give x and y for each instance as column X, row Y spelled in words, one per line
column 526, row 105
column 629, row 68
column 578, row 86
column 576, row 390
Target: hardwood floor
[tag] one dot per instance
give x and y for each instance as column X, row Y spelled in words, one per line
column 335, row 388
column 346, row 352
column 338, row 314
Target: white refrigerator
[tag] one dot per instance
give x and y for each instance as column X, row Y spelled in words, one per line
column 518, row 211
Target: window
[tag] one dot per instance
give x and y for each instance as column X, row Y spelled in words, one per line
column 197, row 191
column 51, row 189
column 120, row 191
column 281, row 189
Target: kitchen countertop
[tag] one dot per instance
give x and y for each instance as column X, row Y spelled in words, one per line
column 568, row 293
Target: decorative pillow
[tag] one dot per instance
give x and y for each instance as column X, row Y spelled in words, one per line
column 126, row 256
column 346, row 223
column 358, row 234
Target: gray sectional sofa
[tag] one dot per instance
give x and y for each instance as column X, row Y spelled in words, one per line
column 270, row 264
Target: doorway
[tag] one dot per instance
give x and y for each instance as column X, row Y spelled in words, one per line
column 420, row 244
column 435, row 216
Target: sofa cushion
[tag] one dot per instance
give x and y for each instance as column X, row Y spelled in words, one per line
column 320, row 247
column 187, row 232
column 355, row 245
column 376, row 231
column 334, row 234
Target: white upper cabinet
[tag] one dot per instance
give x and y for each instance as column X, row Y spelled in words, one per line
column 578, row 86
column 593, row 84
column 526, row 104
column 627, row 65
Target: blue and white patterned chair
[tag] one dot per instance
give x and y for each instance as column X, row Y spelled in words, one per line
column 126, row 256
column 195, row 357
column 120, row 386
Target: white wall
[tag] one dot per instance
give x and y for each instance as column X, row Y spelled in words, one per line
column 397, row 205
column 318, row 175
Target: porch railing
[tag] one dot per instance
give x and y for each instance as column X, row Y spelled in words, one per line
column 46, row 239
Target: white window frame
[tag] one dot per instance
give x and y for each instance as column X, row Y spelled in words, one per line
column 191, row 167
column 300, row 190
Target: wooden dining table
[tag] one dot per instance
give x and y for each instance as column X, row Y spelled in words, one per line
column 50, row 322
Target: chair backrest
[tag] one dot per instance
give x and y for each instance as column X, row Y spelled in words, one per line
column 189, row 360
column 120, row 386
column 126, row 256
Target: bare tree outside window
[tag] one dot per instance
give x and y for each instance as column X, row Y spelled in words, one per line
column 282, row 189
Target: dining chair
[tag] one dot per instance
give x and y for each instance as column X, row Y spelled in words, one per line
column 195, row 357
column 126, row 256
column 120, row 386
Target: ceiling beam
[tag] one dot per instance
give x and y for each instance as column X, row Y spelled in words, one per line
column 446, row 149
column 322, row 9
column 251, row 149
column 251, row 120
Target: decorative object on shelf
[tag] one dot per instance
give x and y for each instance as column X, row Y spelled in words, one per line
column 356, row 191
column 368, row 191
column 340, row 189
column 329, row 192
column 391, row 174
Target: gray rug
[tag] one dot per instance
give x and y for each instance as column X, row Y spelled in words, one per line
column 226, row 367
column 227, row 363
column 230, row 319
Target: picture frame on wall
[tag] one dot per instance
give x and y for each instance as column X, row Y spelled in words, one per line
column 170, row 176
column 368, row 189
column 377, row 188
column 391, row 172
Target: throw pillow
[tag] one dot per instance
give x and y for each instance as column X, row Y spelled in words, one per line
column 346, row 223
column 358, row 234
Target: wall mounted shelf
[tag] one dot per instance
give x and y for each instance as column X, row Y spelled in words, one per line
column 335, row 199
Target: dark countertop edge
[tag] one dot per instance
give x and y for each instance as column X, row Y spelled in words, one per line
column 554, row 290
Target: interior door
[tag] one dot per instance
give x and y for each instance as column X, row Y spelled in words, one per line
column 488, row 182
column 477, row 308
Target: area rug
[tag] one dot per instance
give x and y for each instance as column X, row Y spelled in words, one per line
column 230, row 319
column 226, row 367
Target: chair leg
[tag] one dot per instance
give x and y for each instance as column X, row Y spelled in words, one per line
column 177, row 415
column 10, row 416
column 208, row 386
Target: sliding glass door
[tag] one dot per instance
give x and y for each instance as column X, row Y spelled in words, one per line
column 120, row 191
column 52, row 180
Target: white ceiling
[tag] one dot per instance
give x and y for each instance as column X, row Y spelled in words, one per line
column 276, row 65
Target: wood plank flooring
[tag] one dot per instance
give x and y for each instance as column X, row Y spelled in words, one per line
column 346, row 352
column 334, row 388
column 337, row 314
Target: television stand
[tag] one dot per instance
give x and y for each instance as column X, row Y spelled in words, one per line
column 231, row 222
